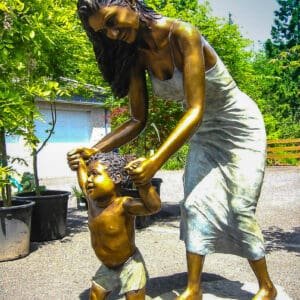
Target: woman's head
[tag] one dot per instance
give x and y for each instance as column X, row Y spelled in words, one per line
column 116, row 22
column 113, row 28
column 90, row 8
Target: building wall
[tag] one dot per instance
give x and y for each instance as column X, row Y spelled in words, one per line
column 78, row 125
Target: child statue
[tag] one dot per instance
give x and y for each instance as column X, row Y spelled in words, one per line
column 111, row 220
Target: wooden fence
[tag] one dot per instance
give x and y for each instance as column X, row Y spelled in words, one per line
column 280, row 151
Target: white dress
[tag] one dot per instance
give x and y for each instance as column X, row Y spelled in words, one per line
column 224, row 169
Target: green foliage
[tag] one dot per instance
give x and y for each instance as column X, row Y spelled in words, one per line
column 277, row 92
column 77, row 192
column 28, row 184
column 162, row 118
column 41, row 42
column 278, row 74
column 177, row 160
column 5, row 172
column 285, row 31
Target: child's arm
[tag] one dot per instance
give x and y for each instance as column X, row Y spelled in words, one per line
column 148, row 204
column 82, row 176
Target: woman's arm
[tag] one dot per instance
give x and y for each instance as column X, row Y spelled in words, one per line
column 189, row 43
column 138, row 98
column 188, row 40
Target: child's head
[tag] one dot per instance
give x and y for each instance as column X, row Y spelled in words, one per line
column 105, row 171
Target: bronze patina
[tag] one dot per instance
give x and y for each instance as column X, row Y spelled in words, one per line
column 111, row 220
column 160, row 46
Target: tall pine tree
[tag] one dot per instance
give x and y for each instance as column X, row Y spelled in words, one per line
column 285, row 31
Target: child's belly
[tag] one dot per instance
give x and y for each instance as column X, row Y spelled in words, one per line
column 113, row 247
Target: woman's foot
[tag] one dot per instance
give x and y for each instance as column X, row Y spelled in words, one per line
column 190, row 295
column 266, row 293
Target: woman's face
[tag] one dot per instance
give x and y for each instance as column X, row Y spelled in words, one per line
column 116, row 22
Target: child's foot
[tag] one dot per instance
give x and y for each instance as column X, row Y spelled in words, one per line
column 190, row 295
column 266, row 293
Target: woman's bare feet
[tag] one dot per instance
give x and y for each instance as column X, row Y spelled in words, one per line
column 266, row 293
column 189, row 294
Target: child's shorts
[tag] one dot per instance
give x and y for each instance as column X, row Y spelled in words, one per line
column 131, row 276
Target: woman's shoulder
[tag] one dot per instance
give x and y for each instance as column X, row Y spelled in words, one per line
column 183, row 29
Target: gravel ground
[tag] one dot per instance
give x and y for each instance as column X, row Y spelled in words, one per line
column 62, row 269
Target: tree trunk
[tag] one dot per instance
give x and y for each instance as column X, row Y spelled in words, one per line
column 35, row 173
column 6, row 191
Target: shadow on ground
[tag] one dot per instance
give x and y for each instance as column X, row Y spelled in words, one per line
column 169, row 212
column 212, row 284
column 278, row 239
column 77, row 221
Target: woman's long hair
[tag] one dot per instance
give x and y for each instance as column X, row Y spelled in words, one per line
column 115, row 58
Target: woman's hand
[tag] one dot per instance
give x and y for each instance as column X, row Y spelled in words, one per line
column 74, row 156
column 141, row 170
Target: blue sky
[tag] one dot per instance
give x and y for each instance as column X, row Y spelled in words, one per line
column 255, row 17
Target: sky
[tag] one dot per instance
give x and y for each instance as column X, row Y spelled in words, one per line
column 254, row 17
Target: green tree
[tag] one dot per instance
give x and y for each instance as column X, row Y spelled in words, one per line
column 278, row 73
column 276, row 89
column 41, row 42
column 285, row 32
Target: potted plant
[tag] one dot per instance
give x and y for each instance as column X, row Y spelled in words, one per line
column 80, row 199
column 50, row 211
column 15, row 216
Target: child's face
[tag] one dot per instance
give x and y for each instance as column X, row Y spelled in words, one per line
column 99, row 184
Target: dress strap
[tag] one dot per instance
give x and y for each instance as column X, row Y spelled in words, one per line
column 171, row 29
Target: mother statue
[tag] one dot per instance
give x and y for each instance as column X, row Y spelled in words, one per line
column 225, row 164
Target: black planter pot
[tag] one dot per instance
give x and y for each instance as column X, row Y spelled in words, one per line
column 49, row 214
column 15, row 222
column 141, row 221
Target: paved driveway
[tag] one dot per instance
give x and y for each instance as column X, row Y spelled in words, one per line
column 62, row 269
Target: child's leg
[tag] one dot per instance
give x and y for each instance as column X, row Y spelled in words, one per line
column 136, row 295
column 194, row 264
column 267, row 290
column 97, row 292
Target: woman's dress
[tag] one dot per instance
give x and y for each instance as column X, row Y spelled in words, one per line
column 224, row 169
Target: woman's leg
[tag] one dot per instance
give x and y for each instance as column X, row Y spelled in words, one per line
column 267, row 290
column 194, row 264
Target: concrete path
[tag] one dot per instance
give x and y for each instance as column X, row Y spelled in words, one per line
column 62, row 269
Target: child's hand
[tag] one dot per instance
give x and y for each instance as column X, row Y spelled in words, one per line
column 134, row 164
column 74, row 155
column 137, row 170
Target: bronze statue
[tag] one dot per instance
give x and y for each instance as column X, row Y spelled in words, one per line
column 111, row 222
column 225, row 164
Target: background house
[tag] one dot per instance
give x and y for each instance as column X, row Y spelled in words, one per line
column 80, row 122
